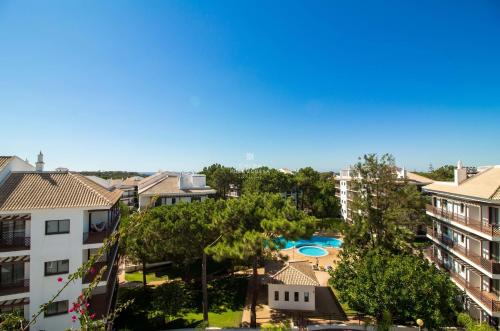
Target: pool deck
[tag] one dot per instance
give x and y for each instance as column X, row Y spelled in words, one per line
column 331, row 259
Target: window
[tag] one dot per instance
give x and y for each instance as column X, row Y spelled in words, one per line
column 11, row 273
column 445, row 203
column 195, row 199
column 295, row 296
column 173, row 201
column 57, row 308
column 462, row 208
column 306, row 296
column 56, row 267
column 462, row 238
column 57, row 227
column 276, row 295
column 462, row 268
column 434, row 201
column 287, row 296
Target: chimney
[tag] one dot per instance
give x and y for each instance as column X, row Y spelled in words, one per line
column 39, row 164
column 460, row 173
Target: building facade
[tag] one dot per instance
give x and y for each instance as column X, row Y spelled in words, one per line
column 50, row 224
column 465, row 235
column 293, row 287
column 345, row 189
column 169, row 188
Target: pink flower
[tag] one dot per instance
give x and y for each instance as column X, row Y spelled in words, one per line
column 73, row 318
column 87, row 305
column 59, row 279
column 92, row 270
column 92, row 316
column 71, row 310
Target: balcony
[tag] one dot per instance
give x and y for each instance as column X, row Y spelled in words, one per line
column 20, row 286
column 478, row 225
column 94, row 236
column 111, row 260
column 489, row 265
column 486, row 298
column 10, row 241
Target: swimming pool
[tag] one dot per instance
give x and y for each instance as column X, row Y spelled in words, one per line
column 314, row 251
column 319, row 241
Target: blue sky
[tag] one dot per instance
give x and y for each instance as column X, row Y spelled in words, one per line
column 148, row 85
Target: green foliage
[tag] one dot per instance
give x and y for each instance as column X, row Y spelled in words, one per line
column 384, row 211
column 170, row 299
column 251, row 223
column 404, row 286
column 464, row 320
column 111, row 174
column 251, row 226
column 12, row 321
column 220, row 177
column 142, row 245
column 266, row 180
column 444, row 173
column 147, row 311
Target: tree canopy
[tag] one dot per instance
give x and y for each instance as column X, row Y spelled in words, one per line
column 405, row 286
column 385, row 209
column 251, row 228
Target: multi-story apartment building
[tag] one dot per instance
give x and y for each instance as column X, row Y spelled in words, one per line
column 50, row 224
column 465, row 236
column 172, row 187
column 345, row 190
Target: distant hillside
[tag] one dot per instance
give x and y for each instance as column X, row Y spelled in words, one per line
column 112, row 174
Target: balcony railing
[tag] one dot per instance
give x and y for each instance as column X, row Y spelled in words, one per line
column 479, row 225
column 20, row 286
column 489, row 265
column 94, row 237
column 486, row 298
column 13, row 242
column 111, row 260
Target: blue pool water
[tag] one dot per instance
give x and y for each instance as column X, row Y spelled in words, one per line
column 314, row 251
column 314, row 241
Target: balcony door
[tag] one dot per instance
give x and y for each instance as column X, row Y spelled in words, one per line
column 12, row 232
column 11, row 274
column 493, row 215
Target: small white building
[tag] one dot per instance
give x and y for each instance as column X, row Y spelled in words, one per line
column 172, row 187
column 293, row 287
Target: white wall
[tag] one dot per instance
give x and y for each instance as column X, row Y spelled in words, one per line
column 291, row 304
column 15, row 164
column 46, row 248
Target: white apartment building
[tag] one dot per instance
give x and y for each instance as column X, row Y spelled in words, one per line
column 345, row 191
column 173, row 187
column 50, row 224
column 465, row 235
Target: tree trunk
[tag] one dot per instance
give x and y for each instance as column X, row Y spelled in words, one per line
column 255, row 294
column 204, row 287
column 144, row 283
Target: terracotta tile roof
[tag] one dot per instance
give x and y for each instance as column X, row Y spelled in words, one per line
column 295, row 273
column 40, row 190
column 132, row 180
column 484, row 185
column 418, row 178
column 4, row 160
column 170, row 186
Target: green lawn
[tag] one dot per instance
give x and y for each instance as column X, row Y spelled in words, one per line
column 227, row 319
column 137, row 277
